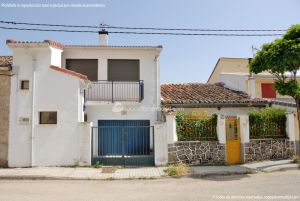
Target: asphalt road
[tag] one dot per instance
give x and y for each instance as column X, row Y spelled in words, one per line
column 283, row 185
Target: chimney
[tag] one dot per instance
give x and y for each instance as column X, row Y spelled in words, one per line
column 103, row 35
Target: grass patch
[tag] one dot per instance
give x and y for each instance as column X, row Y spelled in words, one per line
column 177, row 170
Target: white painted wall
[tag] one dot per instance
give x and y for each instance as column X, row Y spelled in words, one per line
column 161, row 144
column 221, row 129
column 244, row 129
column 85, row 131
column 46, row 145
column 19, row 151
column 171, row 128
column 149, row 73
column 290, row 126
column 234, row 81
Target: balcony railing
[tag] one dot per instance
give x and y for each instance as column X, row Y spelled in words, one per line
column 115, row 91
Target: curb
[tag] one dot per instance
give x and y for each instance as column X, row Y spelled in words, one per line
column 76, row 178
column 283, row 167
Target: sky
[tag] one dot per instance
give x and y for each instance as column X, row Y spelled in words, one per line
column 184, row 58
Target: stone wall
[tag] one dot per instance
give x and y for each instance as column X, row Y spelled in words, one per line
column 197, row 153
column 4, row 115
column 268, row 149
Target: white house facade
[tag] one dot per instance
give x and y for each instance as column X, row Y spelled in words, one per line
column 73, row 104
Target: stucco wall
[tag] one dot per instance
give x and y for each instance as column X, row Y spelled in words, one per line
column 34, row 144
column 234, row 81
column 229, row 65
column 149, row 73
column 4, row 115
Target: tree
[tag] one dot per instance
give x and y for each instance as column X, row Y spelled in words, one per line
column 282, row 59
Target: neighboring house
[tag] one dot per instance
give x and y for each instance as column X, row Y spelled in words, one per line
column 5, row 75
column 203, row 138
column 57, row 87
column 234, row 72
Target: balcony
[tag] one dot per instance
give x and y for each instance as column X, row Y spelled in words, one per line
column 103, row 90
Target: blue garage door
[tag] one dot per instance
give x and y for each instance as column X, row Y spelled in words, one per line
column 125, row 142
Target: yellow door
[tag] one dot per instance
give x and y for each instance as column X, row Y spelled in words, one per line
column 233, row 140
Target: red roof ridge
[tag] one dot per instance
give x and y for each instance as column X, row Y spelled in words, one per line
column 50, row 42
column 70, row 72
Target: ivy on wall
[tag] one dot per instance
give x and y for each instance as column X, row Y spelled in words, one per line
column 267, row 123
column 192, row 128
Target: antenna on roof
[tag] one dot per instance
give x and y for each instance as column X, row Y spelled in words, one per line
column 103, row 34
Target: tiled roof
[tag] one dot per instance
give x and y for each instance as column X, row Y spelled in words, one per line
column 62, row 46
column 287, row 102
column 205, row 95
column 73, row 73
column 6, row 60
column 117, row 46
column 49, row 42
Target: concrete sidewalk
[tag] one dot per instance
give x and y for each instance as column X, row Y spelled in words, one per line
column 264, row 166
column 108, row 173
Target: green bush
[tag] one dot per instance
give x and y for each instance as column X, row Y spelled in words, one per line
column 267, row 123
column 196, row 129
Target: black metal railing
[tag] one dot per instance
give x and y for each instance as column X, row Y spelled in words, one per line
column 104, row 90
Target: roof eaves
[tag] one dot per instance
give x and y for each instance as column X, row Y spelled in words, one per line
column 214, row 69
column 69, row 72
column 34, row 43
column 214, row 105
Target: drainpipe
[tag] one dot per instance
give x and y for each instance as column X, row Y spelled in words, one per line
column 157, row 87
column 33, row 109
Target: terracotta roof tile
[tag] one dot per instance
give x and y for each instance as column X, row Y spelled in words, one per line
column 49, row 42
column 73, row 73
column 205, row 94
column 6, row 60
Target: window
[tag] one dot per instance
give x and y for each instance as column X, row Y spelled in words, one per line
column 48, row 117
column 123, row 70
column 88, row 67
column 24, row 84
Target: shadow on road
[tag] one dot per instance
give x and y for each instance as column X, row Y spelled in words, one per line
column 227, row 177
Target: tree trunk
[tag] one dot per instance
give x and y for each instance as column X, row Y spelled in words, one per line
column 297, row 100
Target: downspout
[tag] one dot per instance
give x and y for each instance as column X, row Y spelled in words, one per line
column 158, row 115
column 33, row 109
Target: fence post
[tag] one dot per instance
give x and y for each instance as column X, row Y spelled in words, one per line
column 290, row 126
column 160, row 144
column 244, row 134
column 221, row 129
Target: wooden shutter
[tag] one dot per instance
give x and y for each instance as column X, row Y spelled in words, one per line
column 268, row 90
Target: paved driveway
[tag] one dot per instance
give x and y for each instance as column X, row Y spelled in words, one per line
column 284, row 185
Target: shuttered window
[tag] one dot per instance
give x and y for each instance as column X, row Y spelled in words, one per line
column 88, row 67
column 268, row 90
column 123, row 70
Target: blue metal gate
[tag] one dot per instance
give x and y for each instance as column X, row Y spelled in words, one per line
column 124, row 142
